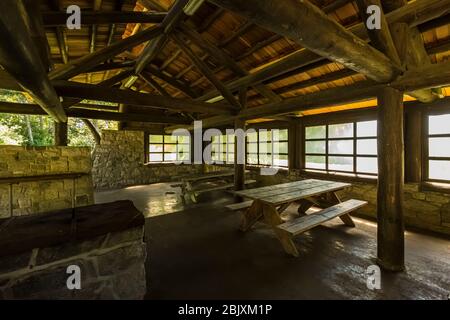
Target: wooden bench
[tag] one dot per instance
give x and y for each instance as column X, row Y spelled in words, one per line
column 239, row 206
column 197, row 190
column 305, row 223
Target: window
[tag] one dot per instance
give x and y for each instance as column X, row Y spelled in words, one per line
column 222, row 149
column 438, row 157
column 168, row 149
column 346, row 148
column 268, row 148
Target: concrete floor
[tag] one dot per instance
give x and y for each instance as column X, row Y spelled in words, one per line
column 196, row 252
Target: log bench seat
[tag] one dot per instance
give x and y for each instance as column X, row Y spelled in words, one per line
column 239, row 206
column 202, row 188
column 307, row 222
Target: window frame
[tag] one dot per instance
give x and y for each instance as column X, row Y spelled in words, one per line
column 148, row 143
column 223, row 153
column 322, row 121
column 425, row 146
column 271, row 154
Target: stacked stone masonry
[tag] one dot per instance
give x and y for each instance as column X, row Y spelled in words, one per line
column 42, row 196
column 112, row 267
column 119, row 161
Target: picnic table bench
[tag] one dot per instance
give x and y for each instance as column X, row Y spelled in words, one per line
column 267, row 203
column 194, row 185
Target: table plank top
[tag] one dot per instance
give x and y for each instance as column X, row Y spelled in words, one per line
column 292, row 191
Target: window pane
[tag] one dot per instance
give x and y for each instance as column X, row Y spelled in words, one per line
column 340, row 147
column 230, row 138
column 170, row 148
column 340, row 163
column 280, row 147
column 315, row 162
column 439, row 124
column 280, row 135
column 170, row 139
column 156, row 157
column 252, row 137
column 265, row 159
column 252, row 148
column 264, row 135
column 367, row 147
column 265, row 147
column 183, row 156
column 156, row 148
column 366, row 129
column 183, row 148
column 230, row 158
column 252, row 159
column 317, row 132
column 280, row 160
column 184, row 139
column 230, row 147
column 315, row 147
column 343, row 130
column 367, row 165
column 170, row 156
column 439, row 170
column 439, row 147
column 156, row 139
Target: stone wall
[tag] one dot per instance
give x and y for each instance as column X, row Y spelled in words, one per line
column 424, row 210
column 111, row 265
column 41, row 196
column 119, row 162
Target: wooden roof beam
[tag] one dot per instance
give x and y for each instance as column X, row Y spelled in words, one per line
column 206, row 72
column 87, row 91
column 57, row 18
column 90, row 61
column 415, row 53
column 153, row 48
column 20, row 57
column 225, row 60
column 32, row 109
column 172, row 81
column 424, row 9
column 431, row 76
column 310, row 27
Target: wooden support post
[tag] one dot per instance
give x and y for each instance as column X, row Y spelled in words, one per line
column 300, row 146
column 292, row 147
column 413, row 146
column 391, row 245
column 240, row 149
column 122, row 109
column 61, row 134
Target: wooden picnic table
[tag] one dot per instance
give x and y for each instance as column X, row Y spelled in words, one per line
column 267, row 204
column 193, row 185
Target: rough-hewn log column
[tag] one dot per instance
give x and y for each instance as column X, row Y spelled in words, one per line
column 240, row 149
column 391, row 242
column 61, row 134
column 413, row 147
column 306, row 24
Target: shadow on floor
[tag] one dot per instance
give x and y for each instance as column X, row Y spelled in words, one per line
column 198, row 253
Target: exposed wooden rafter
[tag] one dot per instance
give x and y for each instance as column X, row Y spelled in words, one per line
column 310, row 27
